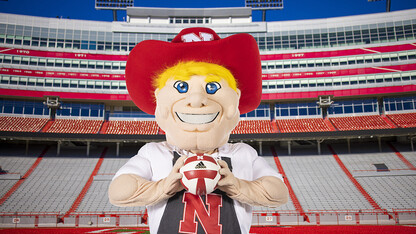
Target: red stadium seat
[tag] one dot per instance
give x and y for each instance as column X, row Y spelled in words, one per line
column 21, row 124
column 132, row 127
column 404, row 120
column 302, row 125
column 367, row 122
column 76, row 126
column 253, row 126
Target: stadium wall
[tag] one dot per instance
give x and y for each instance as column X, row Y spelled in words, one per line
column 346, row 60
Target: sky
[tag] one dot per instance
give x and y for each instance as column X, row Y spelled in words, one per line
column 293, row 9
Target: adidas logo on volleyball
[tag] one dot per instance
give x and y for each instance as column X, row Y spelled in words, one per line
column 200, row 165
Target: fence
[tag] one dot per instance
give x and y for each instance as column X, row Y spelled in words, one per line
column 281, row 218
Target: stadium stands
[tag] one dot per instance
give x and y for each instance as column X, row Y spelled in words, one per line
column 54, row 184
column 367, row 68
column 363, row 163
column 358, row 161
column 21, row 124
column 75, row 126
column 150, row 127
column 317, row 181
column 320, row 184
column 407, row 153
column 12, row 163
column 359, row 122
column 392, row 197
column 404, row 120
column 94, row 201
column 302, row 125
column 268, row 156
column 253, row 126
column 132, row 127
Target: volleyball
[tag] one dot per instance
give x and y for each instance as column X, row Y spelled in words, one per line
column 200, row 174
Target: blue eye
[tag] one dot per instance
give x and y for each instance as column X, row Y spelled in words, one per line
column 212, row 87
column 181, row 86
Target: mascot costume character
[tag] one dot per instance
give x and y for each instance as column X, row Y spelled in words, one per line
column 197, row 86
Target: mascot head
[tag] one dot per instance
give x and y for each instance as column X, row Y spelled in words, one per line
column 197, row 85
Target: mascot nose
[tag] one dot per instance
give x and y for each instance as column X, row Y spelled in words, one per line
column 197, row 99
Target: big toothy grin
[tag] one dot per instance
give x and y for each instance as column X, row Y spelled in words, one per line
column 197, row 118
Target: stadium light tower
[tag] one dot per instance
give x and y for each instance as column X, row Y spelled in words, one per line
column 265, row 5
column 113, row 5
column 388, row 4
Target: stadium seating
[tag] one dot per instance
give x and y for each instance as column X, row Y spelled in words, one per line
column 302, row 125
column 361, row 163
column 75, row 126
column 94, row 201
column 13, row 161
column 57, row 181
column 366, row 122
column 21, row 124
column 54, row 184
column 395, row 199
column 404, row 120
column 320, row 184
column 253, row 126
column 289, row 205
column 132, row 127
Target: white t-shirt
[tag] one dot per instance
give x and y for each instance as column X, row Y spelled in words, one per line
column 154, row 162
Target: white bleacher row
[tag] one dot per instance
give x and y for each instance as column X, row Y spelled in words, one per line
column 96, row 200
column 399, row 190
column 320, row 184
column 358, row 160
column 317, row 180
column 391, row 192
column 410, row 156
column 5, row 185
column 407, row 153
column 55, row 183
column 52, row 187
column 289, row 205
column 15, row 165
column 13, row 160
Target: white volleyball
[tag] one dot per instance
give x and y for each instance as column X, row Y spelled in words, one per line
column 200, row 174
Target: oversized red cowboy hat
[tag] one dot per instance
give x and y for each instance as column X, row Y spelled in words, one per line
column 238, row 53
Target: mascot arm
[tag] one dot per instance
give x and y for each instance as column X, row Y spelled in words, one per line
column 265, row 191
column 133, row 190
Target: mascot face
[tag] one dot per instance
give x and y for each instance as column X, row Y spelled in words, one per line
column 195, row 114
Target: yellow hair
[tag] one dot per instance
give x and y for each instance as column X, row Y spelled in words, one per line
column 184, row 71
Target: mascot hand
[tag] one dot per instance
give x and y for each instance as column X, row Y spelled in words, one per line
column 133, row 190
column 228, row 183
column 265, row 191
column 172, row 183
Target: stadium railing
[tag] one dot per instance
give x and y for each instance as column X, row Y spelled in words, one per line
column 260, row 218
